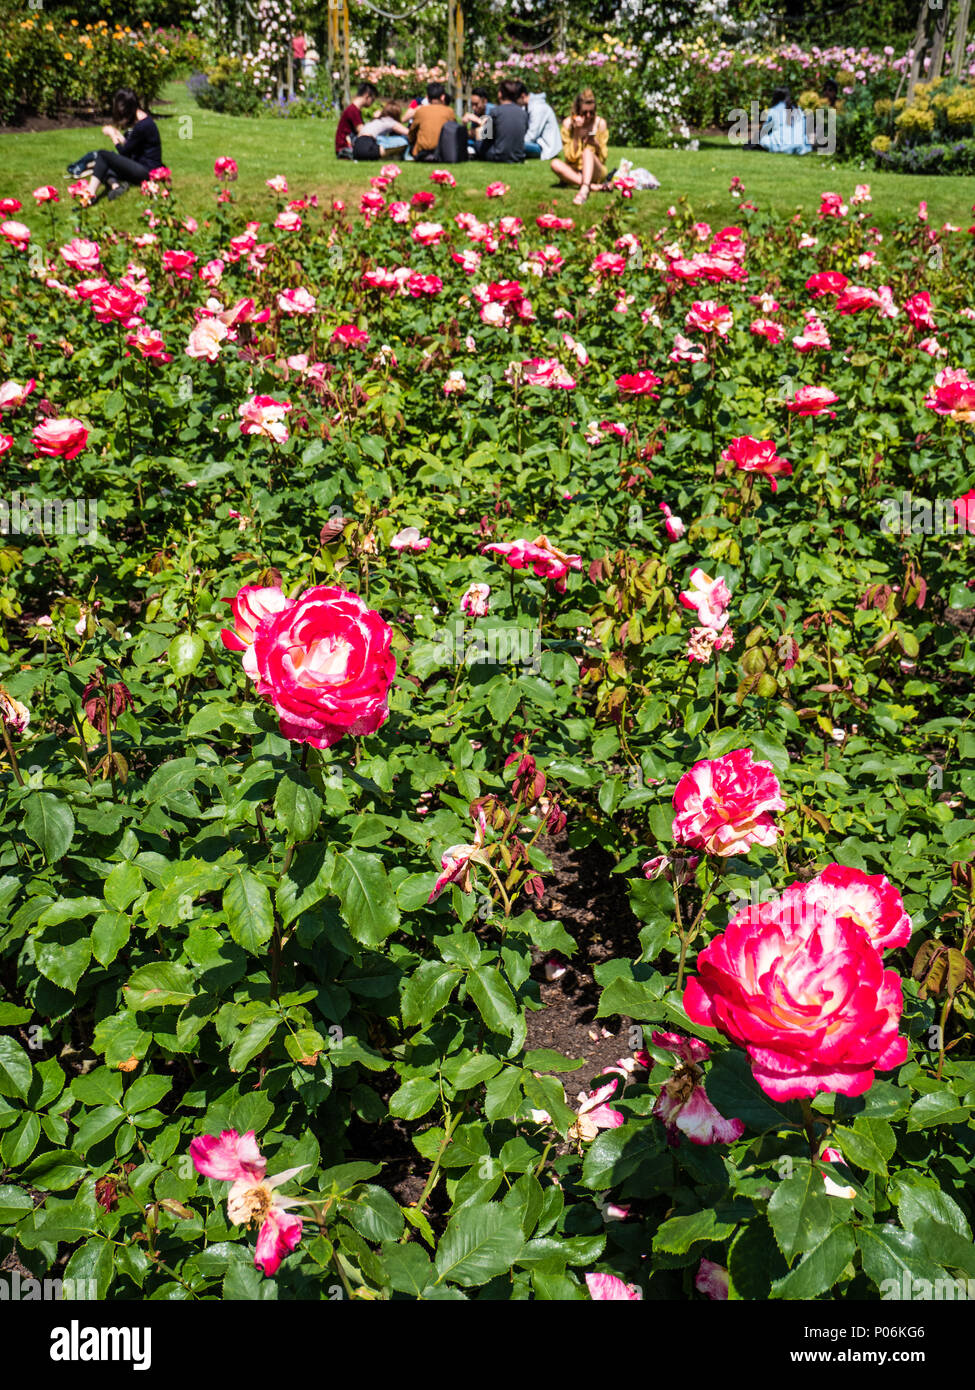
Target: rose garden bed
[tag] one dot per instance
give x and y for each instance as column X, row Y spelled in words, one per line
column 487, row 784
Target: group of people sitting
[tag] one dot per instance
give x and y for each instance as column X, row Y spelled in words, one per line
column 518, row 125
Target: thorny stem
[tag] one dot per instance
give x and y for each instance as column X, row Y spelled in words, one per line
column 687, row 937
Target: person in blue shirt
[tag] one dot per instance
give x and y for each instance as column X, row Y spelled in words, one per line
column 784, row 128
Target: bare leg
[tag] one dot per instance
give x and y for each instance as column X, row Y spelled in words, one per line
column 588, row 164
column 565, row 173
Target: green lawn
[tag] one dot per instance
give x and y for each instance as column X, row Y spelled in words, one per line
column 303, row 151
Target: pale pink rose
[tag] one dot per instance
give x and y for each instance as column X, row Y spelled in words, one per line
column 235, row 1158
column 577, row 349
column 279, row 184
column 606, row 1287
column 12, row 396
column 427, row 233
column 811, row 400
column 476, row 601
column 953, row 393
column 457, row 862
column 683, row 1105
column 496, row 190
column 16, row 233
column 13, row 713
column 288, row 222
column 263, row 415
column 686, row 351
column 64, row 438
column 297, row 301
column 206, row 338
column 594, row 1114
column 709, row 598
column 703, row 642
column 813, row 336
column 251, row 605
column 326, row 666
column 546, row 372
column 81, row 255
column 540, row 555
column 724, row 805
column 410, row 539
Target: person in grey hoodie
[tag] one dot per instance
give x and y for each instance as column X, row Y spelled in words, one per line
column 544, row 137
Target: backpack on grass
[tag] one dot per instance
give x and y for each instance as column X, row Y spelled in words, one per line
column 452, row 147
column 366, row 147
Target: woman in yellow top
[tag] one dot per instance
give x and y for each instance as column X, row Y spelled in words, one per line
column 585, row 142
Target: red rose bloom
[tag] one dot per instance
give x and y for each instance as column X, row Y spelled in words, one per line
column 325, row 664
column 805, row 993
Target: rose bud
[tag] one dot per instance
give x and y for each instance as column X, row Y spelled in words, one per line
column 963, row 875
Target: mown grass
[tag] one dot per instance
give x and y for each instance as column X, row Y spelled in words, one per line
column 303, row 150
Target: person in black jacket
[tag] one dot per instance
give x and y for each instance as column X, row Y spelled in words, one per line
column 135, row 154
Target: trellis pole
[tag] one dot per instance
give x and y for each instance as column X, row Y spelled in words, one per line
column 346, row 88
column 961, row 33
column 455, row 52
column 939, row 40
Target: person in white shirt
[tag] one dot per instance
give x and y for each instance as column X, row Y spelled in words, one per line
column 544, row 137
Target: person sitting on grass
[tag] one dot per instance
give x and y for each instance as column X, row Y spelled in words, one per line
column 784, row 127
column 476, row 118
column 428, row 121
column 585, row 145
column 543, row 140
column 387, row 129
column 352, row 118
column 509, row 122
column 134, row 155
